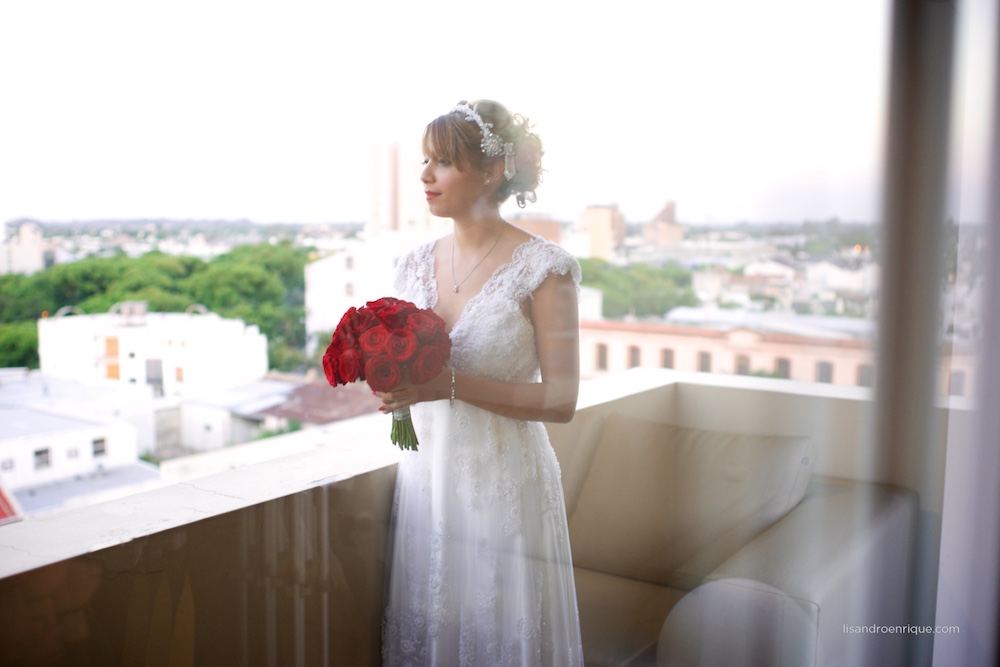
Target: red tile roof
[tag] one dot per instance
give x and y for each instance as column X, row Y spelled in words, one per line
column 319, row 403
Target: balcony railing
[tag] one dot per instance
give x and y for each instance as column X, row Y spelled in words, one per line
column 281, row 562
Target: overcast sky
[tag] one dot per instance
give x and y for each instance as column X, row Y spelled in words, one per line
column 735, row 110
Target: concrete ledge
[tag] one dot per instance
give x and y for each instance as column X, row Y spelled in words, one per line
column 317, row 457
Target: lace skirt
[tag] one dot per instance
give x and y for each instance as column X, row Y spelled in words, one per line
column 480, row 571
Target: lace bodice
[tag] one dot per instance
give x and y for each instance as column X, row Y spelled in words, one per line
column 492, row 337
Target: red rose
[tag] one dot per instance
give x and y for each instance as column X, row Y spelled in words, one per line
column 340, row 341
column 382, row 373
column 392, row 313
column 425, row 324
column 401, row 345
column 349, row 366
column 426, row 365
column 373, row 341
column 343, row 368
column 362, row 320
column 346, row 319
column 330, row 368
column 442, row 341
column 378, row 305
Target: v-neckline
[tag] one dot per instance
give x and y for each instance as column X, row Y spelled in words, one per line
column 433, row 286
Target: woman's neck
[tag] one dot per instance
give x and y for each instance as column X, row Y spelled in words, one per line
column 476, row 231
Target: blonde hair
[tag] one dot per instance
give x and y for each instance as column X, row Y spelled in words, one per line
column 452, row 137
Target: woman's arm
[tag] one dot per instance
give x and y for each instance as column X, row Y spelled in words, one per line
column 555, row 316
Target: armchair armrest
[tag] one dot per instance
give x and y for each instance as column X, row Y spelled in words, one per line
column 841, row 559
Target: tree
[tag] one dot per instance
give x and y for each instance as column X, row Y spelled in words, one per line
column 262, row 285
column 21, row 300
column 19, row 345
column 642, row 290
column 224, row 285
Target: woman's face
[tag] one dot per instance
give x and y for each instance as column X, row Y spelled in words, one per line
column 452, row 193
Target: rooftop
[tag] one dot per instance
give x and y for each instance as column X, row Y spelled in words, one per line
column 106, row 483
column 24, row 421
column 812, row 326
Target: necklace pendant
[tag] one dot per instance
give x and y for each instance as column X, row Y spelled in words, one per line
column 455, row 289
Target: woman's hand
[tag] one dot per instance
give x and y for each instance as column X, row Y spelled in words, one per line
column 407, row 394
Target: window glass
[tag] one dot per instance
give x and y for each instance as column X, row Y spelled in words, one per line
column 705, row 362
column 602, row 357
column 42, row 459
column 824, row 371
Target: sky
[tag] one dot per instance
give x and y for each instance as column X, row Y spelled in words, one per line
column 216, row 109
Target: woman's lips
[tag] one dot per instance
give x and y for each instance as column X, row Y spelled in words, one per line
column 431, row 195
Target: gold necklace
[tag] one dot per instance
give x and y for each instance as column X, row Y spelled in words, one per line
column 454, row 281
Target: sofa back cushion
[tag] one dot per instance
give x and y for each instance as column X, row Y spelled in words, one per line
column 665, row 503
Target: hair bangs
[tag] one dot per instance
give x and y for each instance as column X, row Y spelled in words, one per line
column 443, row 140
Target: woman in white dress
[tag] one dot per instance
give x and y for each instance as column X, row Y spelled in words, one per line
column 480, row 571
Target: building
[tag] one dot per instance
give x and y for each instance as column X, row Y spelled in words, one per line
column 399, row 205
column 663, row 230
column 357, row 272
column 542, row 225
column 177, row 354
column 24, row 251
column 272, row 405
column 809, row 349
column 231, row 416
column 101, row 399
column 605, row 226
column 52, row 457
column 39, row 446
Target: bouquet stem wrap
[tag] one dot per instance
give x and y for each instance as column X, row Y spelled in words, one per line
column 402, row 434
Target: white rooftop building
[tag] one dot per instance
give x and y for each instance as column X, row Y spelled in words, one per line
column 101, row 399
column 66, row 444
column 177, row 354
column 358, row 272
column 232, row 416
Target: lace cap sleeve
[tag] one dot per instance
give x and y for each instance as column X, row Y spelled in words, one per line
column 541, row 258
column 412, row 275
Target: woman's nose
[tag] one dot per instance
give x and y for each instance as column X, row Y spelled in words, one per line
column 426, row 175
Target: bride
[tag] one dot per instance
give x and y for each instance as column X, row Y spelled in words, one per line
column 480, row 571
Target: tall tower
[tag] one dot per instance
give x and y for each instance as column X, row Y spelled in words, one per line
column 606, row 227
column 385, row 192
column 399, row 205
column 663, row 230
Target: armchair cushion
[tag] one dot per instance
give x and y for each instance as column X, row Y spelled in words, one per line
column 658, row 495
column 621, row 619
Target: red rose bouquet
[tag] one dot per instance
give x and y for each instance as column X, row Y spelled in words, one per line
column 385, row 343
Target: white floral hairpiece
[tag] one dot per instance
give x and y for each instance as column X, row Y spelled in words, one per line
column 493, row 145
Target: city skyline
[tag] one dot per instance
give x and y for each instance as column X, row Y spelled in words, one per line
column 769, row 112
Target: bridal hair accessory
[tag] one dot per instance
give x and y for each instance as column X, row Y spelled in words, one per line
column 492, row 144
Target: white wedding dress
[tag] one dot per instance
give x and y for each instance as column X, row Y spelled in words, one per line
column 479, row 564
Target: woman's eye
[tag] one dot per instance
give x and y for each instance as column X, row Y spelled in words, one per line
column 443, row 162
